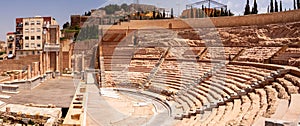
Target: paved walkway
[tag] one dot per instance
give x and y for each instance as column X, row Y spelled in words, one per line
column 101, row 111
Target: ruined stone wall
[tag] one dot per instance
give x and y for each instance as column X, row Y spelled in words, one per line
column 19, row 64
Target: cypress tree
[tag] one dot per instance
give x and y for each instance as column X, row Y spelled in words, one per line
column 205, row 12
column 164, row 14
column 211, row 14
column 247, row 8
column 276, row 6
column 226, row 12
column 271, row 6
column 172, row 15
column 222, row 12
column 254, row 9
column 280, row 6
column 153, row 14
column 268, row 9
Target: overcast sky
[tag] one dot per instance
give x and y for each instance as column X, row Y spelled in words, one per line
column 62, row 9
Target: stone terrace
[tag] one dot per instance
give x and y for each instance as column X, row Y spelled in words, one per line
column 58, row 92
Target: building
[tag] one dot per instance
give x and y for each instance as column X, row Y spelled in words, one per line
column 36, row 36
column 11, row 44
column 33, row 32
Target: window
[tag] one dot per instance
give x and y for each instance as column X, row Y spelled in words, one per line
column 38, row 37
column 38, row 30
column 32, row 45
column 10, row 45
column 32, row 23
column 26, row 23
column 10, row 52
column 38, row 22
column 26, row 30
column 33, row 53
column 21, row 53
column 26, row 45
column 26, row 37
column 32, row 30
column 38, row 45
column 32, row 38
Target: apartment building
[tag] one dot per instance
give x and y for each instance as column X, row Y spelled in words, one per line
column 36, row 36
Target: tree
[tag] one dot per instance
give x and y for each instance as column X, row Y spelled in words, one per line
column 271, row 6
column 215, row 13
column 192, row 12
column 125, row 7
column 222, row 12
column 164, row 14
column 211, row 14
column 247, row 8
column 280, row 6
column 172, row 15
column 268, row 10
column 153, row 14
column 298, row 4
column 254, row 8
column 110, row 9
column 66, row 25
column 276, row 6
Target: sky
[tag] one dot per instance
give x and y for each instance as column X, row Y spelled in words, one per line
column 62, row 9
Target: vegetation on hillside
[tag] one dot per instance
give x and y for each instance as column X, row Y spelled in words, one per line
column 88, row 32
column 112, row 8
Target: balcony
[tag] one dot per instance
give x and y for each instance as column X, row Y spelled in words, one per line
column 19, row 33
column 19, row 26
column 46, row 25
column 51, row 47
column 10, row 39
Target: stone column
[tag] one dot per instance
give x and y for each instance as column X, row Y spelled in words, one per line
column 57, row 62
column 41, row 63
column 82, row 60
column 47, row 61
column 70, row 60
column 28, row 72
column 82, row 65
column 75, row 63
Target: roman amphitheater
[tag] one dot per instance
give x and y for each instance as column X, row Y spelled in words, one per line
column 240, row 70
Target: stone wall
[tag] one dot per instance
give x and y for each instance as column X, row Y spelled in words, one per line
column 18, row 64
column 234, row 21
